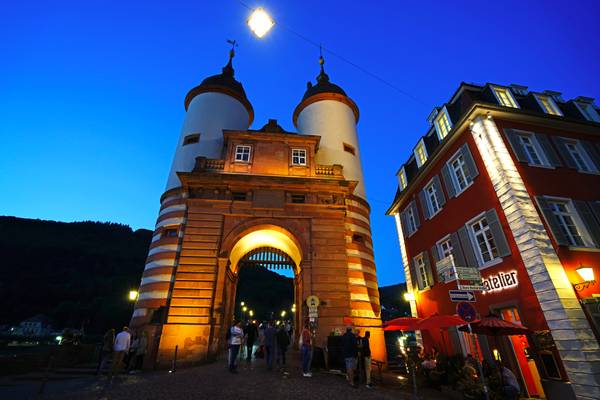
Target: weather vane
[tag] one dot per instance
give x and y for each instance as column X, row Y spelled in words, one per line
column 233, row 44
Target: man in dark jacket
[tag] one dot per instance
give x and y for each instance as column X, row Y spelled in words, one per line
column 251, row 332
column 366, row 357
column 350, row 351
column 283, row 341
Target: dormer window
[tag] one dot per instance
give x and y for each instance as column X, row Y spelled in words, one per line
column 420, row 153
column 585, row 105
column 402, row 181
column 242, row 153
column 504, row 97
column 548, row 104
column 298, row 157
column 442, row 124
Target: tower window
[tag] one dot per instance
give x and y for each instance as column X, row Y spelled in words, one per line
column 242, row 153
column 238, row 196
column 298, row 157
column 349, row 149
column 357, row 238
column 298, row 199
column 191, row 139
column 170, row 233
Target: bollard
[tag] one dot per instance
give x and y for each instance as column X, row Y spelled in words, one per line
column 174, row 366
column 46, row 373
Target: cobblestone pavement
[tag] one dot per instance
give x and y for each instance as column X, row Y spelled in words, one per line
column 214, row 381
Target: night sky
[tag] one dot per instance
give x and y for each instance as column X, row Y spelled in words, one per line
column 92, row 92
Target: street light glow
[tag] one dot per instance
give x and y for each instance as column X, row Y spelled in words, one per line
column 133, row 295
column 244, row 309
column 283, row 314
column 260, row 22
column 251, row 313
column 242, row 303
column 409, row 296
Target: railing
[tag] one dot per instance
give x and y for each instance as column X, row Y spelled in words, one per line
column 329, row 170
column 204, row 164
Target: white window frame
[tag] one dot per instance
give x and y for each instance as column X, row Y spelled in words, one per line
column 239, row 151
column 411, row 221
column 539, row 152
column 300, row 157
column 475, row 244
column 430, row 201
column 511, row 97
column 584, row 107
column 553, row 110
column 453, row 173
column 442, row 129
column 402, row 181
column 439, row 246
column 420, row 144
column 421, row 271
column 585, row 158
column 579, row 225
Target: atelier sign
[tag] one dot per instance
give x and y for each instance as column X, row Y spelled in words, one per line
column 501, row 281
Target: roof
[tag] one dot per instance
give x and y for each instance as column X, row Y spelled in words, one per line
column 469, row 94
column 323, row 86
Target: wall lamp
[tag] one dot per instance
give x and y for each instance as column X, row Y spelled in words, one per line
column 587, row 274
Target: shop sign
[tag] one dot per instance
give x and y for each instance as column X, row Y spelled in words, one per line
column 500, row 281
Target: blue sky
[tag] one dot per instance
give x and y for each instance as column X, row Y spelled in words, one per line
column 92, row 92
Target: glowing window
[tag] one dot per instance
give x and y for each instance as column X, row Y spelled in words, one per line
column 421, row 153
column 505, row 98
column 242, row 153
column 298, row 157
column 442, row 124
column 548, row 105
column 402, row 179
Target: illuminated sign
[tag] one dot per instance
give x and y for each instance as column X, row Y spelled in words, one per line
column 501, row 281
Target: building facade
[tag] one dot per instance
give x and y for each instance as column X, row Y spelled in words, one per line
column 507, row 180
column 236, row 195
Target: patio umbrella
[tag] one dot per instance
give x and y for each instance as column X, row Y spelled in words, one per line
column 401, row 324
column 492, row 325
column 437, row 321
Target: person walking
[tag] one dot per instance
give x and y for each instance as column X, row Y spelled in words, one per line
column 306, row 350
column 366, row 356
column 235, row 342
column 130, row 358
column 120, row 349
column 283, row 341
column 350, row 352
column 108, row 342
column 140, row 352
column 250, row 333
column 270, row 344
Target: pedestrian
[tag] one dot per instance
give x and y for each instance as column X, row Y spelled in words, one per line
column 108, row 342
column 306, row 350
column 140, row 352
column 350, row 352
column 510, row 386
column 130, row 358
column 366, row 355
column 283, row 341
column 250, row 335
column 120, row 350
column 270, row 344
column 236, row 336
column 290, row 331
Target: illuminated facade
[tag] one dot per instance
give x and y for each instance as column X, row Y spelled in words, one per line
column 512, row 189
column 232, row 192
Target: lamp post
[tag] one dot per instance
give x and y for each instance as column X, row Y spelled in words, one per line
column 260, row 22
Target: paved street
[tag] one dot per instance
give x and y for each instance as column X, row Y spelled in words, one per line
column 213, row 381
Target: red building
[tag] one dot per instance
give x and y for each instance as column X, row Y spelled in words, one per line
column 508, row 181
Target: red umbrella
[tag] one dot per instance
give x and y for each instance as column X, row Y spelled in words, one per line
column 439, row 321
column 401, row 324
column 492, row 325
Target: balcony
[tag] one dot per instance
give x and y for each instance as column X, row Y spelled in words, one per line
column 208, row 164
column 329, row 170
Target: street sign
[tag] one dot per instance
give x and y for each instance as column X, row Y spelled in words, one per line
column 313, row 312
column 312, row 301
column 461, row 295
column 466, row 311
column 445, row 269
column 468, row 274
column 478, row 287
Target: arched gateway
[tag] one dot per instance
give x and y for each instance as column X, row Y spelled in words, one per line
column 265, row 197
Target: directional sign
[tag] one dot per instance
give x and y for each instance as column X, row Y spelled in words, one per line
column 466, row 311
column 461, row 295
column 479, row 287
column 468, row 274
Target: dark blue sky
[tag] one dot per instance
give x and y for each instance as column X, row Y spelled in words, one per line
column 92, row 92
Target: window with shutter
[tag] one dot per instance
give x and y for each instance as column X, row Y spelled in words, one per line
column 422, row 270
column 487, row 239
column 572, row 222
column 577, row 154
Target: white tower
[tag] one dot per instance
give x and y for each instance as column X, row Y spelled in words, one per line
column 218, row 103
column 327, row 111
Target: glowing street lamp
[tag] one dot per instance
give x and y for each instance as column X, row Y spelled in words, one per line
column 283, row 314
column 408, row 296
column 244, row 309
column 242, row 304
column 251, row 313
column 587, row 274
column 260, row 22
column 133, row 295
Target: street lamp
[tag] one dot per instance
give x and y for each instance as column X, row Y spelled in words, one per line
column 242, row 304
column 409, row 296
column 587, row 274
column 133, row 295
column 251, row 313
column 260, row 22
column 283, row 314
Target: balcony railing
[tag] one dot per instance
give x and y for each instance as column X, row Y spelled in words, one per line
column 208, row 164
column 329, row 170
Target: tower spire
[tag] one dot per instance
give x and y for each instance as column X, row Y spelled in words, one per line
column 228, row 69
column 323, row 77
